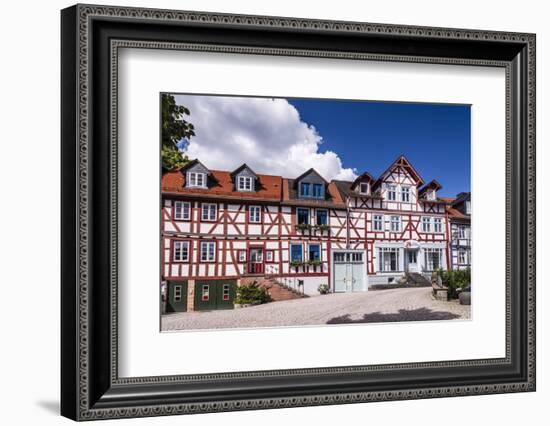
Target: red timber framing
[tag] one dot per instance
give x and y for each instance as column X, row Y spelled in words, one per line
column 350, row 228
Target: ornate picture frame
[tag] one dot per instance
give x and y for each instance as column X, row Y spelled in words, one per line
column 91, row 38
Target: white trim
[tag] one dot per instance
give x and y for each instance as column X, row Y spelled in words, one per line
column 208, row 258
column 245, row 183
column 193, row 179
column 209, row 208
column 181, row 244
column 250, row 215
column 182, row 205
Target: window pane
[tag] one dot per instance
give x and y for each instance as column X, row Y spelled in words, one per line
column 317, row 190
column 304, row 189
column 314, row 252
column 322, row 217
column 303, row 216
column 296, row 253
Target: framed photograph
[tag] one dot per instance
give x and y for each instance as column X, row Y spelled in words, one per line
column 263, row 212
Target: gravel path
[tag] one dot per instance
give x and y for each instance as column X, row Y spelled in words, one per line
column 407, row 304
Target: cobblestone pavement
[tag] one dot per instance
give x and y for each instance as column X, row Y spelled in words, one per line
column 406, row 304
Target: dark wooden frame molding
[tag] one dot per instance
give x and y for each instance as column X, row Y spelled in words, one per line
column 91, row 388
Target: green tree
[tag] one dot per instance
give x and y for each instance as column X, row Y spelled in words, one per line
column 174, row 128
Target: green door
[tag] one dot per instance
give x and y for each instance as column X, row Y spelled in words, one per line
column 214, row 294
column 177, row 296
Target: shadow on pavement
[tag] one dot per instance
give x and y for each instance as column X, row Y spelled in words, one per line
column 420, row 314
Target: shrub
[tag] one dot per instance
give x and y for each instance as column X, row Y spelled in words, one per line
column 323, row 289
column 455, row 280
column 251, row 294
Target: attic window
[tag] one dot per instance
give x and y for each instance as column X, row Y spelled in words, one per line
column 245, row 183
column 468, row 208
column 430, row 194
column 364, row 188
column 196, row 179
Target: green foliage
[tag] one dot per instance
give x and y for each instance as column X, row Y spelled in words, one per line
column 302, row 227
column 314, row 262
column 172, row 158
column 297, row 263
column 174, row 128
column 455, row 280
column 322, row 228
column 251, row 294
column 323, row 289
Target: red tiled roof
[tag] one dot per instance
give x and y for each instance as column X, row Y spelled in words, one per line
column 269, row 187
column 455, row 214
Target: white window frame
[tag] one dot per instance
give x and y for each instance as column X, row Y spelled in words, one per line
column 179, row 250
column 381, row 260
column 430, row 194
column 438, row 225
column 245, row 183
column 255, row 212
column 308, row 215
column 193, row 179
column 324, row 210
column 302, row 252
column 320, row 251
column 461, row 232
column 269, row 255
column 378, row 219
column 405, row 190
column 210, row 254
column 366, row 191
column 468, row 207
column 180, row 205
column 426, row 224
column 208, row 207
column 391, row 190
column 394, row 222
column 429, row 267
column 462, row 256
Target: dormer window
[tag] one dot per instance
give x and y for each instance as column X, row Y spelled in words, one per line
column 317, row 190
column 468, row 208
column 430, row 194
column 245, row 183
column 305, row 189
column 196, row 179
column 364, row 188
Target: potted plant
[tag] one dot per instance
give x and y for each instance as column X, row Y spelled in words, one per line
column 296, row 264
column 314, row 262
column 323, row 289
column 302, row 227
column 322, row 228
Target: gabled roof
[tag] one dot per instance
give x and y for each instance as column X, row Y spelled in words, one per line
column 241, row 168
column 433, row 184
column 332, row 198
column 307, row 172
column 463, row 196
column 346, row 189
column 269, row 188
column 191, row 164
column 365, row 177
column 401, row 161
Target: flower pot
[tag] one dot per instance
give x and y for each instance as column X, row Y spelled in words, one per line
column 464, row 298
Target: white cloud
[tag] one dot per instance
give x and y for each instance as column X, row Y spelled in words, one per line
column 267, row 134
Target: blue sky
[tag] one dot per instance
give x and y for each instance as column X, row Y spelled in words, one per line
column 368, row 136
column 340, row 139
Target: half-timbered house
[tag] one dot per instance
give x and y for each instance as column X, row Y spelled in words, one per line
column 460, row 241
column 224, row 228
